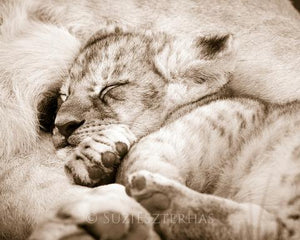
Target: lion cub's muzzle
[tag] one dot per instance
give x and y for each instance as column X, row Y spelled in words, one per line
column 67, row 125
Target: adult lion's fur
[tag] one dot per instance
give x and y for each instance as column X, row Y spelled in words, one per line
column 39, row 39
column 33, row 58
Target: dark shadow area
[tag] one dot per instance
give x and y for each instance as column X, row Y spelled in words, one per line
column 296, row 4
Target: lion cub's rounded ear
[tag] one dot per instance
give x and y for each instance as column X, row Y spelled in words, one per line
column 103, row 33
column 209, row 55
column 195, row 67
column 211, row 47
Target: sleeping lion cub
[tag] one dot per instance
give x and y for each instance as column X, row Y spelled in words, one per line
column 205, row 165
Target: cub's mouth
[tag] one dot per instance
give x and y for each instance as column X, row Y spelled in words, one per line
column 91, row 128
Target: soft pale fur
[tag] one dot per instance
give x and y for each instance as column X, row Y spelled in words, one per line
column 35, row 55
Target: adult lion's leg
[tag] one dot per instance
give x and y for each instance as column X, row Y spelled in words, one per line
column 105, row 212
column 182, row 213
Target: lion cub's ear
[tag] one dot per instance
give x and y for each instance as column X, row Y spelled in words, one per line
column 215, row 54
column 196, row 67
column 212, row 47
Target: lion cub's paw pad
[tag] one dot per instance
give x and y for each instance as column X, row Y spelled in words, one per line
column 97, row 158
column 147, row 191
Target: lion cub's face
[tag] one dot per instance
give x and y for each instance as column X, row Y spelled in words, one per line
column 138, row 79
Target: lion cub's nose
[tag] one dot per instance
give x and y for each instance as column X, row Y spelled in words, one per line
column 67, row 125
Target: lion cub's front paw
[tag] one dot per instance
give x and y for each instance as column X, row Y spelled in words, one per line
column 96, row 159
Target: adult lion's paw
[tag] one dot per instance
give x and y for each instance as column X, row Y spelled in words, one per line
column 97, row 157
column 105, row 212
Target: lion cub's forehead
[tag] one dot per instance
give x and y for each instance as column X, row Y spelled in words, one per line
column 116, row 58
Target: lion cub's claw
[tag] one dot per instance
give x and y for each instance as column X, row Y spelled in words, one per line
column 97, row 157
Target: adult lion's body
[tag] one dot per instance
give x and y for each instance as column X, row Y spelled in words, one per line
column 35, row 53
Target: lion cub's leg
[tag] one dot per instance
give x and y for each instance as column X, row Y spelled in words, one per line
column 181, row 213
